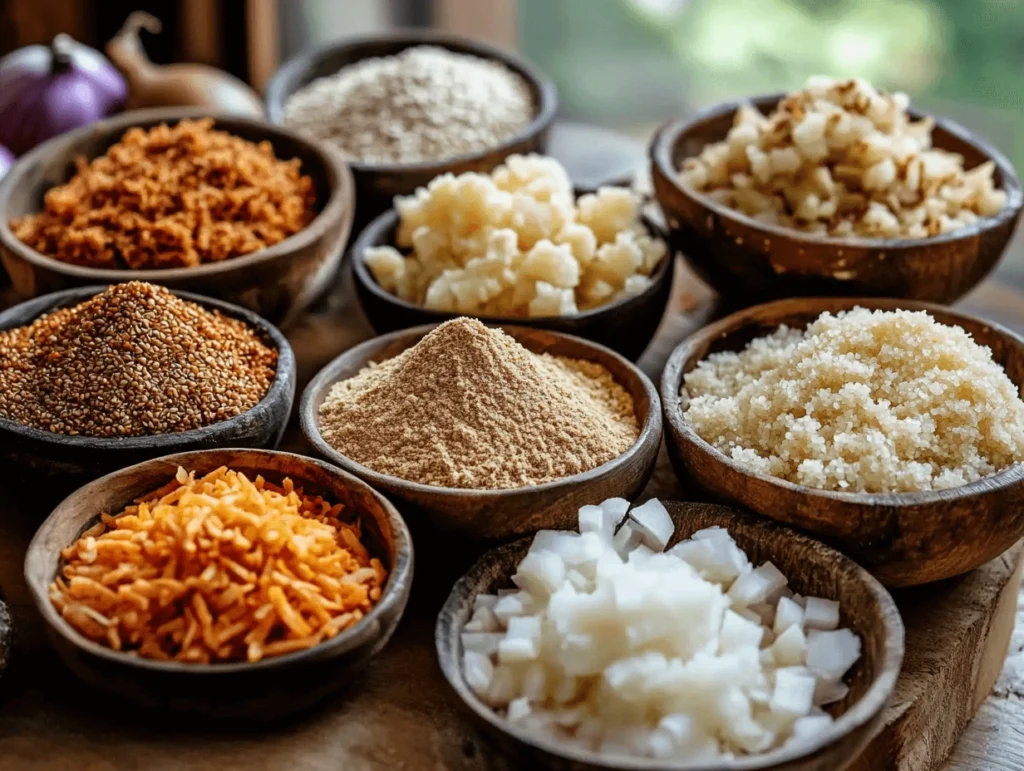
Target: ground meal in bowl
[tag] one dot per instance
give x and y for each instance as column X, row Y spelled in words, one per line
column 862, row 401
column 470, row 407
column 172, row 197
column 132, row 361
column 221, row 568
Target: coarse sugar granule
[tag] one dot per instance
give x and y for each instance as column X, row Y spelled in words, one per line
column 469, row 407
column 135, row 360
column 862, row 401
column 424, row 104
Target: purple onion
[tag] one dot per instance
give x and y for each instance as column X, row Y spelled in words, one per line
column 47, row 90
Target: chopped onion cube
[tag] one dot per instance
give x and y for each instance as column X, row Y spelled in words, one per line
column 793, row 696
column 627, row 539
column 654, row 523
column 515, row 650
column 518, row 709
column 483, row 620
column 503, row 686
column 540, row 573
column 821, row 614
column 615, row 509
column 484, row 601
column 511, row 605
column 599, row 521
column 478, row 671
column 481, row 642
column 737, row 633
column 535, row 683
column 831, row 654
column 790, row 648
column 711, row 532
column 787, row 614
column 829, row 692
column 811, row 726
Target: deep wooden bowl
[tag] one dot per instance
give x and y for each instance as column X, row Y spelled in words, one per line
column 750, row 262
column 64, row 457
column 500, row 514
column 277, row 282
column 263, row 690
column 626, row 326
column 902, row 538
column 378, row 183
column 813, row 569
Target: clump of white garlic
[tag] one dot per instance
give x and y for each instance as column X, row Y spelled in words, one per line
column 612, row 644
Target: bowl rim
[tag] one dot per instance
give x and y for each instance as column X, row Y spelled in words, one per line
column 326, row 377
column 860, row 713
column 539, row 83
column 671, row 383
column 399, row 577
column 282, row 383
column 340, row 201
column 665, row 139
column 372, row 235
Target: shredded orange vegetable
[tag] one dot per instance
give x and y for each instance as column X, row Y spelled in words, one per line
column 218, row 569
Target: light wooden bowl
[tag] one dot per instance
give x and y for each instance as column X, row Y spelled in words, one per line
column 750, row 262
column 813, row 569
column 64, row 459
column 904, row 538
column 263, row 690
column 626, row 326
column 278, row 282
column 378, row 183
column 500, row 514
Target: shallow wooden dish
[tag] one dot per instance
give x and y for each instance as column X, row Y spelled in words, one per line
column 500, row 514
column 63, row 458
column 749, row 262
column 260, row 691
column 626, row 326
column 378, row 183
column 277, row 282
column 903, row 539
column 813, row 569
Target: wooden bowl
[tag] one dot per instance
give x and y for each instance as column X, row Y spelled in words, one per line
column 259, row 691
column 626, row 326
column 378, row 183
column 62, row 457
column 277, row 282
column 813, row 569
column 750, row 262
column 500, row 514
column 902, row 538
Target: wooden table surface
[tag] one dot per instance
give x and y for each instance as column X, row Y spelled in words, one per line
column 100, row 741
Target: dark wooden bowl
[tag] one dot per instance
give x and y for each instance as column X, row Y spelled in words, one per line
column 378, row 183
column 626, row 326
column 813, row 569
column 902, row 538
column 500, row 514
column 277, row 282
column 62, row 457
column 750, row 262
column 263, row 690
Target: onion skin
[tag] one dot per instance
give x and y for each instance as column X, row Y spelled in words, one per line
column 151, row 85
column 47, row 90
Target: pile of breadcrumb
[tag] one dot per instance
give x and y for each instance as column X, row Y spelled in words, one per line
column 134, row 360
column 862, row 401
column 171, row 197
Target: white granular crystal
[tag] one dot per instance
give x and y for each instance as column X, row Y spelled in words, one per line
column 862, row 401
column 424, row 104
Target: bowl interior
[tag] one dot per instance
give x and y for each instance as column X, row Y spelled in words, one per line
column 27, row 312
column 813, row 569
column 645, row 400
column 382, row 231
column 332, row 58
column 384, row 533
column 53, row 164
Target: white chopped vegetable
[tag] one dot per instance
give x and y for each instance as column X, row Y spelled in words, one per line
column 793, row 696
column 787, row 614
column 612, row 644
column 831, row 654
column 654, row 523
column 540, row 573
column 478, row 671
column 821, row 614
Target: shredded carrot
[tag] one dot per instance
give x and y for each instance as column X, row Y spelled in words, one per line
column 221, row 568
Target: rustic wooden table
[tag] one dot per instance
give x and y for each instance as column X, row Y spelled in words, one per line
column 400, row 715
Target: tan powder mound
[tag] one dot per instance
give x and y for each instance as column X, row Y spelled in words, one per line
column 863, row 401
column 469, row 407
